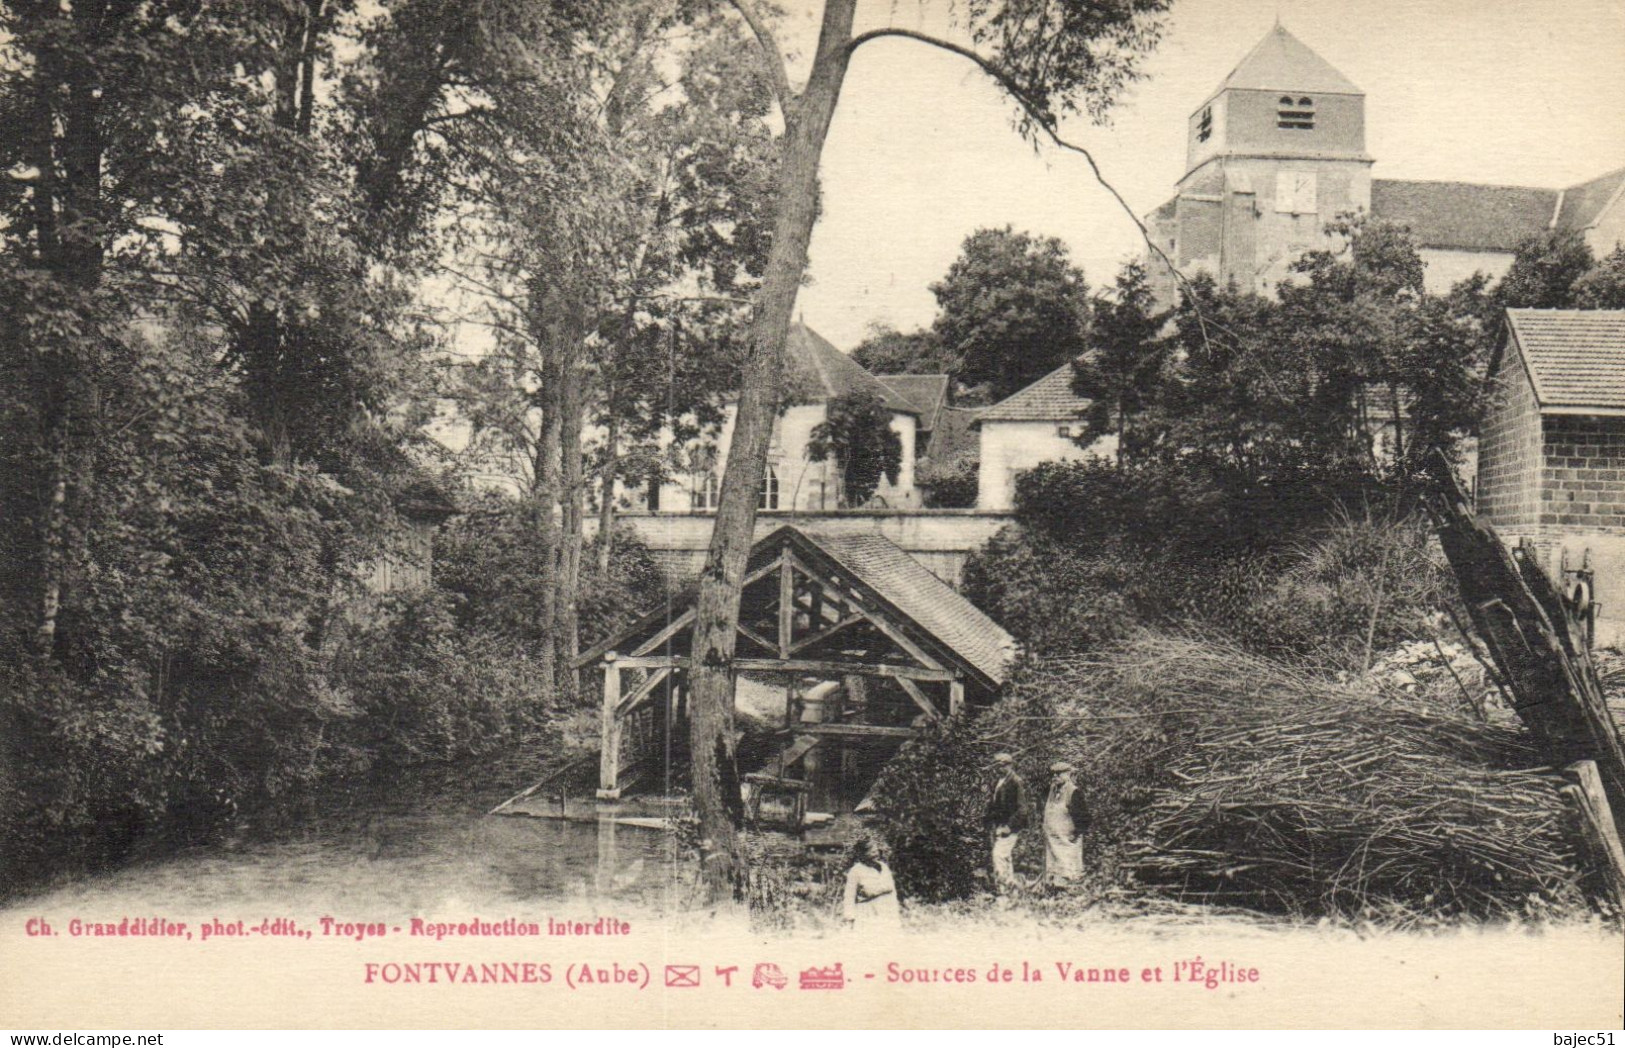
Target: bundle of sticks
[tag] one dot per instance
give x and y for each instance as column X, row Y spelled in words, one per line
column 1273, row 788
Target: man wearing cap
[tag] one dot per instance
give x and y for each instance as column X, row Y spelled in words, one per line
column 1065, row 818
column 1005, row 818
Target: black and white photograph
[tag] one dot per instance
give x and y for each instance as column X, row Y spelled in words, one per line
column 763, row 514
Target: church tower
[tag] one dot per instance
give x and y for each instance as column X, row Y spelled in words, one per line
column 1271, row 156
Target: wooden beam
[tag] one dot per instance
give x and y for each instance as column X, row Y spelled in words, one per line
column 746, row 631
column 956, row 698
column 670, row 630
column 1601, row 849
column 856, row 730
column 920, row 698
column 878, row 620
column 864, row 669
column 809, row 641
column 787, row 606
column 609, row 732
column 642, row 691
column 652, row 662
column 677, row 625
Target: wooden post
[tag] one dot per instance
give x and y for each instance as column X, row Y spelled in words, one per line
column 956, row 697
column 787, row 607
column 609, row 733
column 1602, row 851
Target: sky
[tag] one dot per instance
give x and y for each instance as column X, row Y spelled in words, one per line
column 922, row 153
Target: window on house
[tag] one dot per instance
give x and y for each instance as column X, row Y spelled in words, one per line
column 704, row 494
column 1204, row 126
column 1063, row 430
column 768, row 498
column 1296, row 116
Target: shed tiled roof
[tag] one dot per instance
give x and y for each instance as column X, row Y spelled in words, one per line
column 1462, row 215
column 1051, row 397
column 1282, row 62
column 816, row 371
column 928, row 394
column 953, row 437
column 1583, row 204
column 954, row 622
column 1575, row 357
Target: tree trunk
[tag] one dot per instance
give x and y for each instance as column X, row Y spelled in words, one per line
column 606, row 497
column 716, row 791
column 70, row 246
column 545, row 497
column 573, row 490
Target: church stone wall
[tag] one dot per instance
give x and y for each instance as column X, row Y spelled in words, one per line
column 1252, row 118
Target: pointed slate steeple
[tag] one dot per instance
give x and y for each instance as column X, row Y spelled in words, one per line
column 1282, row 62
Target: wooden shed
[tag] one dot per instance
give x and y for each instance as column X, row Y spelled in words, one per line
column 865, row 642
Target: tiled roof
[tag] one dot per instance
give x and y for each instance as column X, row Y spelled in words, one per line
column 1051, row 397
column 1462, row 215
column 953, row 438
column 1575, row 357
column 928, row 394
column 954, row 622
column 1582, row 204
column 816, row 371
column 1282, row 62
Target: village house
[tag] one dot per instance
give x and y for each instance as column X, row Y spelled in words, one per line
column 816, row 373
column 1278, row 151
column 1551, row 461
column 1037, row 424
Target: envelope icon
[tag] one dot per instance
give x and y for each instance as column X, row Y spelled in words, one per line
column 682, row 975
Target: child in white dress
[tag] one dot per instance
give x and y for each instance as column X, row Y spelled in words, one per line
column 871, row 892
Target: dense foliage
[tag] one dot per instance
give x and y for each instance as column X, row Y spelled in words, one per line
column 856, row 434
column 1011, row 309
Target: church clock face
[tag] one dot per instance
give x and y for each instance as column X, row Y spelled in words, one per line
column 1295, row 192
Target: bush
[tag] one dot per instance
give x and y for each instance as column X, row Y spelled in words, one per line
column 950, row 485
column 1053, row 597
column 433, row 692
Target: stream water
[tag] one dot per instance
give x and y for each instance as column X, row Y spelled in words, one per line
column 373, row 850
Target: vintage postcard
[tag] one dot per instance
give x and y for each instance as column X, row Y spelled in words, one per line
column 828, row 513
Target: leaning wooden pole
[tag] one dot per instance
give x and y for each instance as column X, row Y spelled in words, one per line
column 1533, row 639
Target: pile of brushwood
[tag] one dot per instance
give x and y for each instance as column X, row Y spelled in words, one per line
column 1222, row 777
column 1278, row 790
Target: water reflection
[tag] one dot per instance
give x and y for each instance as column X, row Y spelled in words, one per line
column 393, row 855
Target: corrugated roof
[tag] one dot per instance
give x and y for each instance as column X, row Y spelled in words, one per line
column 928, row 394
column 1051, row 397
column 1282, row 62
column 954, row 622
column 1582, row 204
column 1463, row 215
column 1575, row 357
column 816, row 371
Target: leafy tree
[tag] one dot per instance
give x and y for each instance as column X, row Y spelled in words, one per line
column 1123, row 368
column 1544, row 269
column 1011, row 309
column 1603, row 287
column 887, row 351
column 857, row 434
column 1051, row 60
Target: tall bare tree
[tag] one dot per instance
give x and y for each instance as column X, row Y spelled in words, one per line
column 1052, row 59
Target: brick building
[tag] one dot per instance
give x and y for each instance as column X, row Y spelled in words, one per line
column 1551, row 456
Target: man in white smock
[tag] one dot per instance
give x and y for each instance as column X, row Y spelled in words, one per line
column 1065, row 818
column 871, row 892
